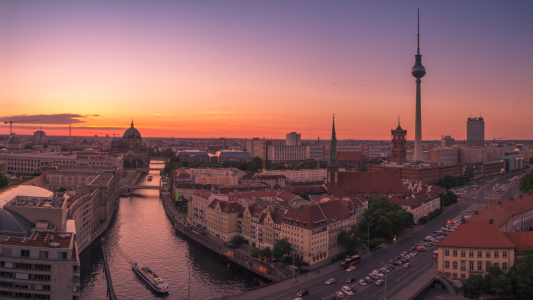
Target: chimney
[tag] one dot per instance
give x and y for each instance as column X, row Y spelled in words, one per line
column 491, row 221
column 476, row 212
column 520, row 195
column 511, row 198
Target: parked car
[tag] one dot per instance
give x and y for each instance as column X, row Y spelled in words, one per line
column 339, row 294
column 330, row 281
column 362, row 282
column 380, row 282
column 368, row 280
column 302, row 293
column 407, row 265
column 347, row 290
column 349, row 280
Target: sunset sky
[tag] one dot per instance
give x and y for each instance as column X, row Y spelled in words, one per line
column 265, row 68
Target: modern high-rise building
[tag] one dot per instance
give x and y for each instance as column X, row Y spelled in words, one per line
column 39, row 136
column 418, row 71
column 475, row 132
column 293, row 139
column 258, row 147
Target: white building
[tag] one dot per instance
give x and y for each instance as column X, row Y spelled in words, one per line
column 283, row 153
column 300, row 175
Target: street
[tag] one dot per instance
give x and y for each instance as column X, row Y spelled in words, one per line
column 400, row 277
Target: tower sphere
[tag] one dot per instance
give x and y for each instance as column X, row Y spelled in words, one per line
column 418, row 70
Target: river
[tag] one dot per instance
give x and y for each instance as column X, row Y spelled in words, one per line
column 141, row 232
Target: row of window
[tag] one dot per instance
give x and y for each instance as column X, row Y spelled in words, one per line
column 471, row 265
column 479, row 253
column 13, row 265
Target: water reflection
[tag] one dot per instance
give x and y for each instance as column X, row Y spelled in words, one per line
column 142, row 233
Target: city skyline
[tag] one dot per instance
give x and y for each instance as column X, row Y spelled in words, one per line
column 250, row 70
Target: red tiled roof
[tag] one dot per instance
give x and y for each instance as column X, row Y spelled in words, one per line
column 349, row 155
column 287, row 196
column 480, row 235
column 416, row 199
column 227, row 207
column 521, row 239
column 501, row 212
column 382, row 183
column 315, row 216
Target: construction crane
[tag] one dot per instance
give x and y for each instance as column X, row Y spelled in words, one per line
column 11, row 124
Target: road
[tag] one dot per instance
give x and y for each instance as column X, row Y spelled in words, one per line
column 400, row 277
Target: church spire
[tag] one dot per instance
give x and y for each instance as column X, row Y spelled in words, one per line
column 333, row 149
column 131, row 122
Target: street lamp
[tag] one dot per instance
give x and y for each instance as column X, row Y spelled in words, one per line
column 385, row 276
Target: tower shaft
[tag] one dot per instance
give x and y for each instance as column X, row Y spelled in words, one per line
column 418, row 124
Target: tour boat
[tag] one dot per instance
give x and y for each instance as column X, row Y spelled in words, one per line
column 156, row 283
column 150, row 178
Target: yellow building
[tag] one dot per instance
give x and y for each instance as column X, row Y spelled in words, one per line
column 472, row 248
column 222, row 219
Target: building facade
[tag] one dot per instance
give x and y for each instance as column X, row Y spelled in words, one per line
column 475, row 132
column 293, row 139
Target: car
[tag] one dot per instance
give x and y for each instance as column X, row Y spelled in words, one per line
column 302, row 293
column 354, row 290
column 407, row 265
column 362, row 282
column 397, row 263
column 351, row 268
column 428, row 244
column 349, row 280
column 373, row 276
column 391, row 267
column 339, row 294
column 347, row 290
column 384, row 270
column 368, row 280
column 330, row 281
column 377, row 273
column 380, row 282
column 298, row 299
column 412, row 248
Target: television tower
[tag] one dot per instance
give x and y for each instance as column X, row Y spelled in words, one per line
column 418, row 71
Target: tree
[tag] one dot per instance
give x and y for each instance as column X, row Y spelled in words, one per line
column 45, row 146
column 266, row 253
column 28, row 147
column 237, row 240
column 521, row 275
column 62, row 189
column 126, row 163
column 281, row 248
column 3, row 181
column 501, row 285
column 385, row 219
column 474, row 287
column 375, row 243
column 526, row 183
column 493, row 272
column 305, row 196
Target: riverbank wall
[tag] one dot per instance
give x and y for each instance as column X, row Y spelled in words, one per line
column 234, row 255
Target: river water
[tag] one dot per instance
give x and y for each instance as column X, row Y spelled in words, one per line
column 142, row 233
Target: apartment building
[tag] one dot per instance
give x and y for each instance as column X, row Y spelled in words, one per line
column 222, row 219
column 39, row 258
column 421, row 203
column 300, row 175
column 288, row 154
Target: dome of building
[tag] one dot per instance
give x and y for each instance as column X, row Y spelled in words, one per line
column 132, row 134
column 13, row 139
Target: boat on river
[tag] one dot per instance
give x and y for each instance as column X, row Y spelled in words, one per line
column 155, row 282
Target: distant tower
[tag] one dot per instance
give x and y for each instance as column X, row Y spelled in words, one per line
column 418, row 71
column 225, row 144
column 333, row 164
column 398, row 153
column 69, row 130
column 475, row 132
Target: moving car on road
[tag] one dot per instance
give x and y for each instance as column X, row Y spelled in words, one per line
column 330, row 281
column 350, row 269
column 407, row 265
column 302, row 293
column 349, row 280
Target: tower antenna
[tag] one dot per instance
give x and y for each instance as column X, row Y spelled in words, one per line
column 398, row 120
column 418, row 34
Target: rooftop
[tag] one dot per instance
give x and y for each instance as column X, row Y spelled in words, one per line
column 40, row 239
column 23, row 190
column 481, row 235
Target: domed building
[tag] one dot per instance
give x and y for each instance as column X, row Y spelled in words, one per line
column 132, row 146
column 13, row 144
